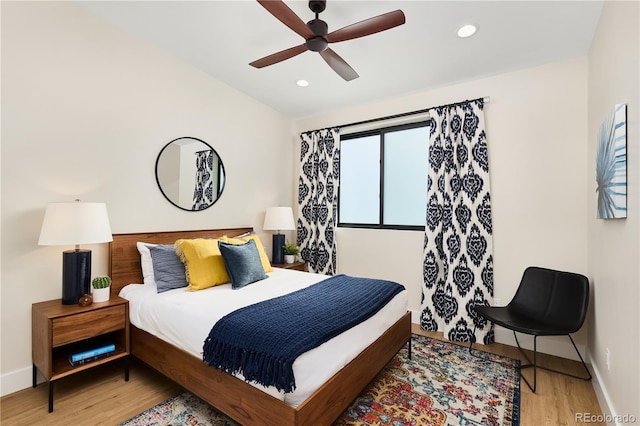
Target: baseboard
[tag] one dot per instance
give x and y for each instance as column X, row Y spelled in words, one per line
column 17, row 380
column 604, row 400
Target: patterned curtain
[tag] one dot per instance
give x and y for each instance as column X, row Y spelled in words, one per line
column 203, row 193
column 458, row 259
column 318, row 199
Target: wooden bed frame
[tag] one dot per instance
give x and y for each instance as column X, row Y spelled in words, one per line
column 237, row 399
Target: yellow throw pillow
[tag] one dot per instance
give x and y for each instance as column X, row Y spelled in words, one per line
column 264, row 259
column 203, row 263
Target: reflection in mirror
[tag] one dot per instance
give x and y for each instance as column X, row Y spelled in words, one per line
column 190, row 174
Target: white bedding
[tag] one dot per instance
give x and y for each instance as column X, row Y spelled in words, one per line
column 185, row 318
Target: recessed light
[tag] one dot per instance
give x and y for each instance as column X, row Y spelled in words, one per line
column 467, row 31
column 302, row 83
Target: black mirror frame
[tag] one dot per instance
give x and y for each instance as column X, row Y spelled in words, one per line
column 221, row 174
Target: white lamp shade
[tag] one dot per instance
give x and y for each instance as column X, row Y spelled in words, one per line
column 279, row 219
column 75, row 223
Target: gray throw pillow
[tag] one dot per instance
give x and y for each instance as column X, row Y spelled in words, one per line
column 168, row 269
column 242, row 262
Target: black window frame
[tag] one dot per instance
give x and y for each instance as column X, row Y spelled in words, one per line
column 381, row 132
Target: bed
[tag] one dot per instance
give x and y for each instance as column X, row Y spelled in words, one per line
column 242, row 401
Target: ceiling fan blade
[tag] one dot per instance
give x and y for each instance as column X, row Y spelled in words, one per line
column 368, row 26
column 338, row 64
column 279, row 56
column 285, row 15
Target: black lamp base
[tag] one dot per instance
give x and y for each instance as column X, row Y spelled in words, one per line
column 76, row 275
column 278, row 250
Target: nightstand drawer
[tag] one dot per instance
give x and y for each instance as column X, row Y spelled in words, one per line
column 99, row 321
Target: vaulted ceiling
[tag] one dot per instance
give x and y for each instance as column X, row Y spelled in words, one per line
column 223, row 37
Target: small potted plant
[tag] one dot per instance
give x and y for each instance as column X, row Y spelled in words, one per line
column 101, row 288
column 291, row 250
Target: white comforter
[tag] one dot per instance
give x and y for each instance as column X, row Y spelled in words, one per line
column 185, row 318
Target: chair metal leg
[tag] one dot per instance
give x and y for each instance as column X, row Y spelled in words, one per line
column 582, row 361
column 535, row 366
column 471, row 345
column 534, row 363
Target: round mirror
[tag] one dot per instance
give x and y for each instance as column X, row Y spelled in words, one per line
column 190, row 174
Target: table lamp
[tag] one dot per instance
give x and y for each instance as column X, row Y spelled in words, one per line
column 74, row 224
column 278, row 219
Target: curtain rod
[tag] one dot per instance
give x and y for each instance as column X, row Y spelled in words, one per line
column 486, row 100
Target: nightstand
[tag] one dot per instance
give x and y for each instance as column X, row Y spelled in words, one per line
column 57, row 330
column 298, row 266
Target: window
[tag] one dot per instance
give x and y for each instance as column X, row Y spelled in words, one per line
column 383, row 178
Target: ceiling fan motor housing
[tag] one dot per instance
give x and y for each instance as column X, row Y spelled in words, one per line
column 318, row 27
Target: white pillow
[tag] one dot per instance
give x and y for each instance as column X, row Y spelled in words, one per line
column 146, row 263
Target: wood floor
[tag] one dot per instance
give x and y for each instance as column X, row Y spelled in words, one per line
column 101, row 396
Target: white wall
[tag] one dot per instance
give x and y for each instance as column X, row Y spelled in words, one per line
column 536, row 124
column 86, row 108
column 614, row 245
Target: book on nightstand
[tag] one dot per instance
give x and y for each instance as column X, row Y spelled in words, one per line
column 80, row 358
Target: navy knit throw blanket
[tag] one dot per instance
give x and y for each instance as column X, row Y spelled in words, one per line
column 262, row 341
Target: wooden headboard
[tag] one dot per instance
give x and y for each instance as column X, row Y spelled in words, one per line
column 124, row 258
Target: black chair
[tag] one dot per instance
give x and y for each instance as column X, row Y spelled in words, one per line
column 547, row 303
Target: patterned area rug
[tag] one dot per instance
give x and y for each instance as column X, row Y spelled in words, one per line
column 441, row 385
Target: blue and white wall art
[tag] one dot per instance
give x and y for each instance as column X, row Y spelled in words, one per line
column 611, row 165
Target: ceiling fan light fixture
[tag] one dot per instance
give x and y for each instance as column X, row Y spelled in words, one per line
column 302, row 83
column 317, row 44
column 467, row 30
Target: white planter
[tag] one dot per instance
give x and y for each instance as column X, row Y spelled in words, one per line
column 101, row 294
column 289, row 258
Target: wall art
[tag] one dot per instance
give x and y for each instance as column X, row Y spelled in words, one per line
column 611, row 165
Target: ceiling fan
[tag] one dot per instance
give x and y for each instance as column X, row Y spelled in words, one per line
column 317, row 37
